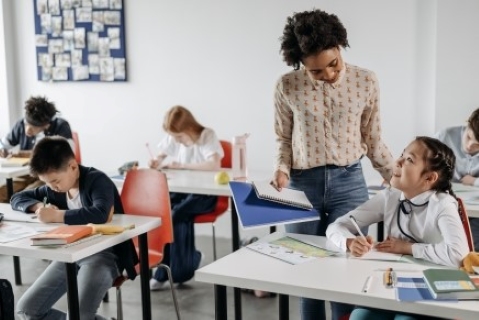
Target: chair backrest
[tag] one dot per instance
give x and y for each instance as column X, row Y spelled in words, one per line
column 465, row 223
column 77, row 150
column 227, row 149
column 145, row 192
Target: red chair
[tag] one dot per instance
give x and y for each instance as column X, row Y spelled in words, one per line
column 145, row 192
column 76, row 150
column 465, row 223
column 223, row 202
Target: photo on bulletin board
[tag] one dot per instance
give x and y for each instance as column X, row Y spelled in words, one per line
column 80, row 40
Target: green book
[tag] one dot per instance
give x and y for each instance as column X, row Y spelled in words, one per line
column 450, row 284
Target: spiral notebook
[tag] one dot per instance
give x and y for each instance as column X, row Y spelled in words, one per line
column 264, row 190
column 254, row 212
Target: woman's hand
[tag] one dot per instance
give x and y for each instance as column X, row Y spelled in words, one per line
column 394, row 245
column 359, row 246
column 280, row 180
column 153, row 163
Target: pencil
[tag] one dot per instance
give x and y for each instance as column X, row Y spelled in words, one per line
column 152, row 157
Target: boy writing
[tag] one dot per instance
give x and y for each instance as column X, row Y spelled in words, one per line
column 40, row 120
column 464, row 141
column 75, row 195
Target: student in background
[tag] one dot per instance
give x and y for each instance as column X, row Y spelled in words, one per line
column 419, row 212
column 464, row 141
column 326, row 119
column 187, row 145
column 75, row 195
column 40, row 120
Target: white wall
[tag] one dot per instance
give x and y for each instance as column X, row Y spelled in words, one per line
column 221, row 60
column 457, row 61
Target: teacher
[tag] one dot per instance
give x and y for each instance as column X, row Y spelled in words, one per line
column 326, row 119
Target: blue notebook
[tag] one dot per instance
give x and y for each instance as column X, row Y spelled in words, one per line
column 255, row 212
column 414, row 289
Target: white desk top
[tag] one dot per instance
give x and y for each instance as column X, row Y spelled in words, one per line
column 333, row 278
column 12, row 172
column 199, row 182
column 74, row 253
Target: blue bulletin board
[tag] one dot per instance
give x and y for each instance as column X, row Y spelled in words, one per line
column 80, row 40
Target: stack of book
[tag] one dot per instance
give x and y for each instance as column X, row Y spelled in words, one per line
column 438, row 284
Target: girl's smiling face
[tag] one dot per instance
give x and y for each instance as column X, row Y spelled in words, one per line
column 410, row 171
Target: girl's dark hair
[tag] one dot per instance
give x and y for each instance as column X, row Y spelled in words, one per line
column 50, row 154
column 473, row 123
column 39, row 111
column 310, row 32
column 441, row 159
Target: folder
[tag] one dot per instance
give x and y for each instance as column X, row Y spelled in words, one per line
column 254, row 212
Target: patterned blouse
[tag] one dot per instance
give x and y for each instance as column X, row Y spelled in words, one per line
column 319, row 123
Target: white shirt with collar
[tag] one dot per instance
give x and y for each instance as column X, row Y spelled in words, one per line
column 436, row 226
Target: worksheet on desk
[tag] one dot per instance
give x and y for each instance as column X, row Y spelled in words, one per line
column 12, row 231
column 377, row 255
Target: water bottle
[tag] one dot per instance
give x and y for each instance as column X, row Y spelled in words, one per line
column 239, row 157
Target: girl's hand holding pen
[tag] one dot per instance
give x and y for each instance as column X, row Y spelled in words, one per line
column 360, row 245
column 153, row 163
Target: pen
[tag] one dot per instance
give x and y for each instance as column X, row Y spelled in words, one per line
column 44, row 202
column 353, row 220
column 367, row 284
column 149, row 151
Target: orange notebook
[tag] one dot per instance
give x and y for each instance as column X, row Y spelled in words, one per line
column 62, row 235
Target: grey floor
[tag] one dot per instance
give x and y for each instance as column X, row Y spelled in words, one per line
column 195, row 299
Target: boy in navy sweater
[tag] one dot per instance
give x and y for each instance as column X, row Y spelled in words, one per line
column 75, row 195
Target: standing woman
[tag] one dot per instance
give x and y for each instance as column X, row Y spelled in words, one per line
column 326, row 119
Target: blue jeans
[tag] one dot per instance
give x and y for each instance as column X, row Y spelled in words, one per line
column 95, row 276
column 333, row 191
column 181, row 256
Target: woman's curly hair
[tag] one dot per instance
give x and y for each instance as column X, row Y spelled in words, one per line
column 309, row 32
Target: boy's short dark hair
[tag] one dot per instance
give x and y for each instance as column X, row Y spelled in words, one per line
column 50, row 154
column 310, row 32
column 39, row 111
column 473, row 123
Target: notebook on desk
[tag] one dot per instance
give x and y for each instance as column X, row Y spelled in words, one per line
column 256, row 212
column 14, row 162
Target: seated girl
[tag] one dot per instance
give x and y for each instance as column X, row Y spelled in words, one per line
column 419, row 212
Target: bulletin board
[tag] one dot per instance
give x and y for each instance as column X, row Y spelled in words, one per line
column 80, row 40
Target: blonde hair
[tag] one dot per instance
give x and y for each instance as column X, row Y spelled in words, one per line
column 179, row 119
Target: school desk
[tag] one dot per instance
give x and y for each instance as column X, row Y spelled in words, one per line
column 203, row 182
column 74, row 253
column 338, row 279
column 12, row 172
column 8, row 174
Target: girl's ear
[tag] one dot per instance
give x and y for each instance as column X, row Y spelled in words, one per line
column 432, row 177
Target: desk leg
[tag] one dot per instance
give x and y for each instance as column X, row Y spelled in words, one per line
column 16, row 260
column 220, row 303
column 144, row 276
column 380, row 231
column 72, row 292
column 17, row 271
column 235, row 233
column 283, row 307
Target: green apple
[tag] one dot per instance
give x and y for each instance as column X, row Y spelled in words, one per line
column 222, row 177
